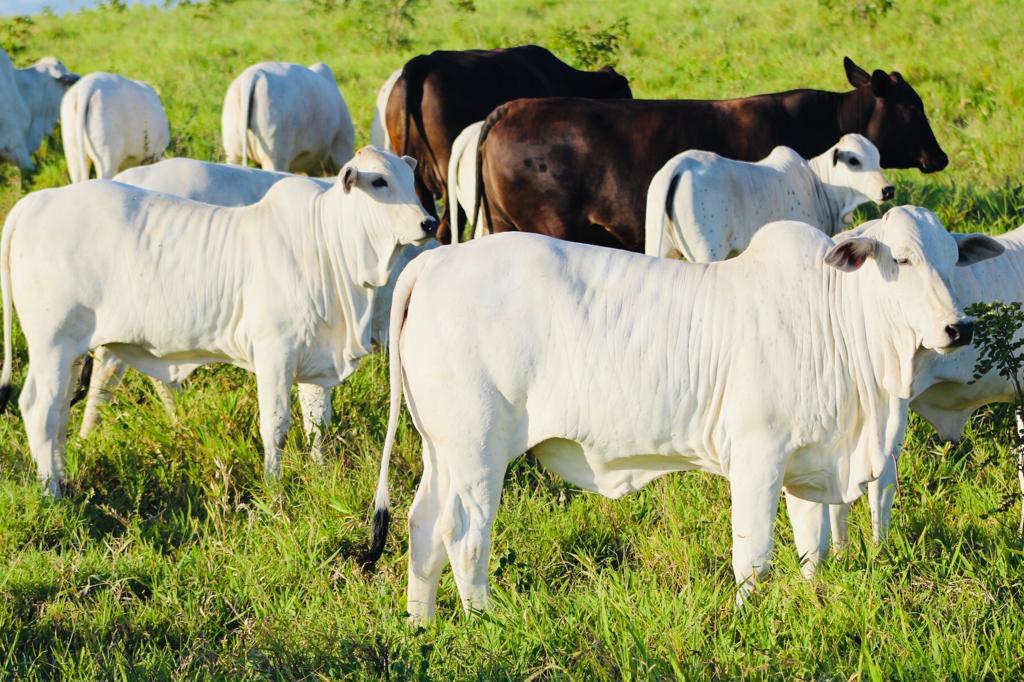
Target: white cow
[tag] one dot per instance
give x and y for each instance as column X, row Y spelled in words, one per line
column 287, row 118
column 31, row 105
column 785, row 367
column 379, row 127
column 111, row 123
column 462, row 179
column 14, row 118
column 227, row 185
column 707, row 207
column 945, row 393
column 168, row 285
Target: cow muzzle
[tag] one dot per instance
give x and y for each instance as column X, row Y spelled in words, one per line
column 888, row 192
column 933, row 164
column 960, row 334
column 429, row 225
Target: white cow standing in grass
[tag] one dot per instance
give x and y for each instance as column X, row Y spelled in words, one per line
column 29, row 106
column 287, row 117
column 784, row 367
column 111, row 123
column 226, row 185
column 167, row 285
column 462, row 179
column 378, row 127
column 706, row 207
column 945, row 393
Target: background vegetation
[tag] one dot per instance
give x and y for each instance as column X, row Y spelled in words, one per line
column 170, row 557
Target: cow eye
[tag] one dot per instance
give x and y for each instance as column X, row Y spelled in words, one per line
column 902, row 261
column 379, row 182
column 854, row 162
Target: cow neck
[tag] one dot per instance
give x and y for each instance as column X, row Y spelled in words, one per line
column 828, row 206
column 853, row 111
column 878, row 353
column 339, row 285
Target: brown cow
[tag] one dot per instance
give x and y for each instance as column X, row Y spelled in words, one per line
column 441, row 93
column 579, row 169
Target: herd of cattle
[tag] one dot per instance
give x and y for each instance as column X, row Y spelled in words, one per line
column 784, row 355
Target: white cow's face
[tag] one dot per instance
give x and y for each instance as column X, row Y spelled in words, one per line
column 380, row 195
column 856, row 166
column 915, row 257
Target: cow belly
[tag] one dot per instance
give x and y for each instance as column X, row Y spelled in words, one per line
column 611, row 477
column 170, row 368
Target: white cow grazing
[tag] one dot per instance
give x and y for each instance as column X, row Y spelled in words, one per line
column 111, row 123
column 784, row 367
column 167, row 285
column 14, row 118
column 707, row 207
column 226, row 185
column 462, row 178
column 378, row 127
column 944, row 392
column 287, row 117
column 42, row 86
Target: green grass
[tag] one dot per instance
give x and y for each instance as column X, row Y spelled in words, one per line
column 170, row 557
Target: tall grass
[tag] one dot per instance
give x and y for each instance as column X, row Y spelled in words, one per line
column 170, row 557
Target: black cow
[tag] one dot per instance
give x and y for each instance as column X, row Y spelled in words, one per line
column 441, row 93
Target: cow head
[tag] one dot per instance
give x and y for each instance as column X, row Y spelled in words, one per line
column 852, row 174
column 613, row 85
column 890, row 113
column 324, row 72
column 914, row 257
column 52, row 67
column 379, row 197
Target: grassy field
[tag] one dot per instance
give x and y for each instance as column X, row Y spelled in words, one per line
column 170, row 557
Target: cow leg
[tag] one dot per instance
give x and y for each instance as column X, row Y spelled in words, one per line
column 839, row 521
column 469, row 511
column 273, row 387
column 45, row 407
column 107, row 372
column 881, row 495
column 755, row 501
column 315, row 403
column 168, row 395
column 427, row 557
column 810, row 532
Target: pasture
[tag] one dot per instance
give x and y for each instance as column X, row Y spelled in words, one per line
column 171, row 557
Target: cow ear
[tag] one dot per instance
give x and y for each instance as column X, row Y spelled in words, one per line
column 879, row 83
column 975, row 248
column 411, row 162
column 835, row 157
column 349, row 176
column 849, row 254
column 857, row 76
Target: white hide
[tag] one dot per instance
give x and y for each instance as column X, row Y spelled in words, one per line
column 945, row 394
column 15, row 119
column 773, row 369
column 167, row 285
column 110, row 123
column 706, row 207
column 378, row 127
column 462, row 179
column 287, row 117
column 226, row 185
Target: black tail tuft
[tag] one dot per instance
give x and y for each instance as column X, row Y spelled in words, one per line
column 86, row 377
column 378, row 538
column 5, row 395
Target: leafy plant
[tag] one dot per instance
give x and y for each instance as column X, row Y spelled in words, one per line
column 15, row 33
column 995, row 335
column 591, row 48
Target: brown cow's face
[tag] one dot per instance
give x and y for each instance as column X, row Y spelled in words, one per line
column 898, row 125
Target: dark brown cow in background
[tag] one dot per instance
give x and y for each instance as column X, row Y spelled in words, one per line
column 579, row 169
column 441, row 93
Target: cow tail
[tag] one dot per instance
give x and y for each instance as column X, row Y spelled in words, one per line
column 246, row 94
column 382, row 502
column 458, row 149
column 660, row 196
column 8, row 308
column 81, row 123
column 478, row 196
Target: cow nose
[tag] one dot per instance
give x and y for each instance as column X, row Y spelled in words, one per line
column 429, row 225
column 960, row 334
column 888, row 192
